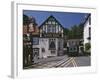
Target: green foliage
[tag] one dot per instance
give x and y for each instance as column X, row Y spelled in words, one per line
column 25, row 20
column 87, row 47
column 75, row 32
column 66, row 31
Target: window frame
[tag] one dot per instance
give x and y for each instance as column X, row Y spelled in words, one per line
column 36, row 39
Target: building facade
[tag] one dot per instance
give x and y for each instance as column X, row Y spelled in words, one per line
column 30, row 30
column 87, row 30
column 51, row 38
column 42, row 41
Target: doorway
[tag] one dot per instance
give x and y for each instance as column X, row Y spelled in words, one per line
column 35, row 54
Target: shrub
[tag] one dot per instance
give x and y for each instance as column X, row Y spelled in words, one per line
column 87, row 49
column 87, row 46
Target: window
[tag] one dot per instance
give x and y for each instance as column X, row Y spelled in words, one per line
column 43, row 49
column 35, row 41
column 49, row 22
column 89, row 20
column 70, row 49
column 31, row 28
column 53, row 51
column 49, row 29
column 75, row 48
column 44, row 28
column 53, row 29
column 89, row 31
column 53, row 22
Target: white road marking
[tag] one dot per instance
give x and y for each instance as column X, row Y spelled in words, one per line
column 74, row 62
column 71, row 61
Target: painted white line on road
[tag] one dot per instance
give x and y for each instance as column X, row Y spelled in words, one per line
column 75, row 64
column 59, row 63
column 68, row 62
column 71, row 61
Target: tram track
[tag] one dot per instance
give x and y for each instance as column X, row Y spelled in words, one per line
column 62, row 63
column 66, row 62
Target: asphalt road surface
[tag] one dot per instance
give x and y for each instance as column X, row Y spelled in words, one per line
column 63, row 61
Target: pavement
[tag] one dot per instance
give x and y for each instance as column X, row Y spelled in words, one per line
column 55, row 58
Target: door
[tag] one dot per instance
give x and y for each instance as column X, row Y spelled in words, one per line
column 35, row 54
column 60, row 47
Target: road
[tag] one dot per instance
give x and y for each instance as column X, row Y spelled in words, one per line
column 62, row 62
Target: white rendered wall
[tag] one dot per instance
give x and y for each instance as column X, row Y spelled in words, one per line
column 44, row 43
column 86, row 32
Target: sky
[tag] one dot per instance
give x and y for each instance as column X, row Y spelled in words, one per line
column 66, row 19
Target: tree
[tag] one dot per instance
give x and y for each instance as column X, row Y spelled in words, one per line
column 25, row 20
column 66, row 31
column 75, row 32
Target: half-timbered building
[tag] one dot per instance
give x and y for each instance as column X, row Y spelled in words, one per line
column 51, row 38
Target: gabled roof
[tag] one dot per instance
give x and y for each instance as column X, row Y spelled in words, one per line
column 86, row 19
column 48, row 19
